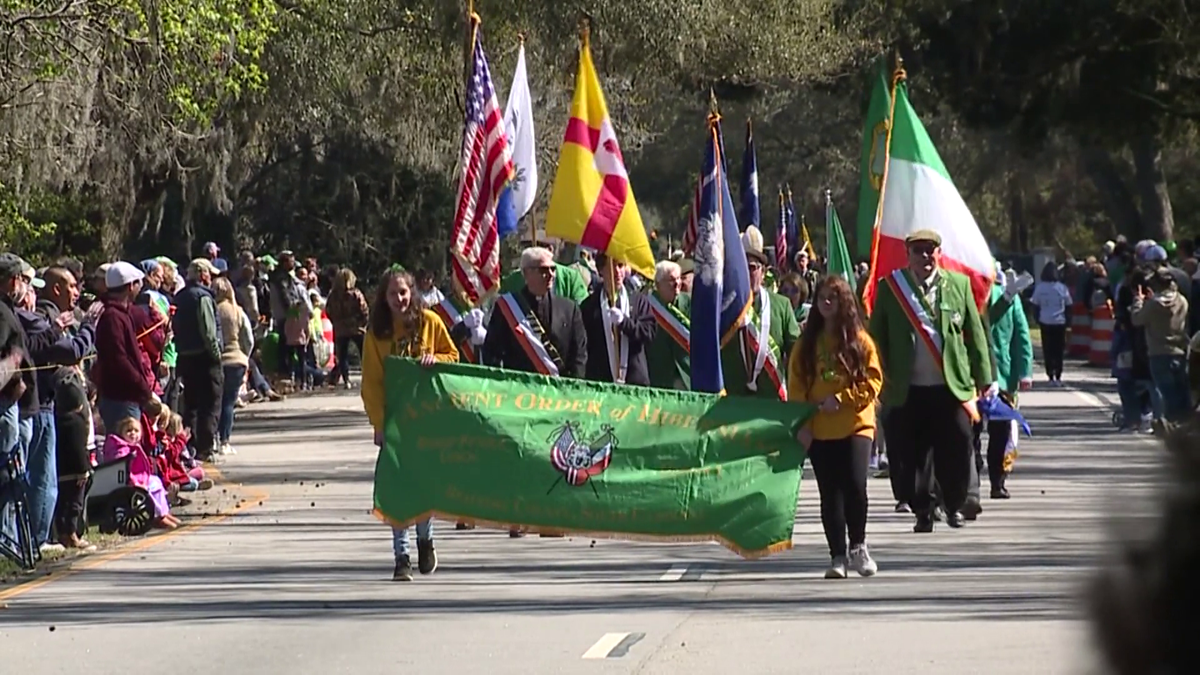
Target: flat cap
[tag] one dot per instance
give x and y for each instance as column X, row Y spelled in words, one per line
column 924, row 235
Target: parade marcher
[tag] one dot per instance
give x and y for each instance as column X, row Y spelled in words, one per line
column 756, row 360
column 804, row 267
column 1012, row 353
column 534, row 330
column 618, row 332
column 935, row 352
column 198, row 342
column 837, row 368
column 687, row 273
column 400, row 326
column 1053, row 300
column 669, row 355
column 1162, row 310
column 567, row 281
column 465, row 323
column 797, row 291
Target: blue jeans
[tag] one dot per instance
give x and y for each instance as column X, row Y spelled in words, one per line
column 234, row 376
column 10, row 433
column 400, row 537
column 112, row 412
column 1133, row 409
column 1171, row 380
column 41, row 473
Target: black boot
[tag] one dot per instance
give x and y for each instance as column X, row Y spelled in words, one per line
column 426, row 556
column 403, row 570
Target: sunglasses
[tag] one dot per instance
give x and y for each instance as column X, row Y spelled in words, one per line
column 754, row 267
column 922, row 249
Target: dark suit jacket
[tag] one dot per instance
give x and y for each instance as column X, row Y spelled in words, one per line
column 501, row 349
column 638, row 328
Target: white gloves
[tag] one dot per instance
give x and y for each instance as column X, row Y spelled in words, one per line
column 1014, row 287
column 473, row 318
column 615, row 315
column 992, row 391
column 478, row 335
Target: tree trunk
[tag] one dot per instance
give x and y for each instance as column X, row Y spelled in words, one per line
column 1018, row 218
column 1158, row 220
column 1118, row 201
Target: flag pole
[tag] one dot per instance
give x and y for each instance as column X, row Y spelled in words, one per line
column 473, row 21
column 533, row 234
column 898, row 76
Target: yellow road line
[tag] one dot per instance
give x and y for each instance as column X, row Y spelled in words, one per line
column 254, row 498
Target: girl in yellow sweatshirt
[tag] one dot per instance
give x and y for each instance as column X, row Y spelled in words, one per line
column 836, row 366
column 401, row 326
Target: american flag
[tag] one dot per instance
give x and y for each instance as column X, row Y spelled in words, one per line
column 782, row 264
column 689, row 232
column 487, row 167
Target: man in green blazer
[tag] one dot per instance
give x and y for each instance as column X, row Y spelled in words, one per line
column 936, row 363
column 670, row 351
column 568, row 282
column 737, row 357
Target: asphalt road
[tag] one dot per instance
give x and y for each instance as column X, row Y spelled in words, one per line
column 301, row 583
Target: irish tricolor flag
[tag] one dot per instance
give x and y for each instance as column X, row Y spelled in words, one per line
column 918, row 194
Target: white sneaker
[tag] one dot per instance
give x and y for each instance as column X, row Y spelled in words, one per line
column 861, row 562
column 837, row 568
column 227, row 449
column 49, row 547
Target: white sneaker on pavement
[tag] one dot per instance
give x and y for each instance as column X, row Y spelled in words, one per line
column 861, row 562
column 837, row 568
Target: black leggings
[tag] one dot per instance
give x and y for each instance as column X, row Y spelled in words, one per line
column 1054, row 345
column 841, row 469
column 341, row 352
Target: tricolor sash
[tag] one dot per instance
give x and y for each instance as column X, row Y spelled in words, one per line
column 757, row 348
column 528, row 333
column 920, row 316
column 452, row 317
column 618, row 349
column 673, row 321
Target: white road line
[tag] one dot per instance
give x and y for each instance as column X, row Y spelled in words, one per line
column 604, row 645
column 675, row 573
column 1090, row 399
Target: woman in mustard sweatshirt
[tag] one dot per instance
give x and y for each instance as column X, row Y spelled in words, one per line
column 401, row 326
column 836, row 367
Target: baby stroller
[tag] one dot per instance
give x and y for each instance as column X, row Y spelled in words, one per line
column 115, row 503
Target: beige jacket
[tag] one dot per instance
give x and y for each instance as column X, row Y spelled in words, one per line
column 1164, row 316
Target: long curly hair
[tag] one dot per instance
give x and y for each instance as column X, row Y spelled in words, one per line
column 845, row 328
column 381, row 320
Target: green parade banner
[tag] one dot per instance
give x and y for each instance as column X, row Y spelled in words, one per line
column 506, row 449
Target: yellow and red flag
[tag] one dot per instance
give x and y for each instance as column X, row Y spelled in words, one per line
column 592, row 202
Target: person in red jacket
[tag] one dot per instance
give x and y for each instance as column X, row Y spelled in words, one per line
column 122, row 387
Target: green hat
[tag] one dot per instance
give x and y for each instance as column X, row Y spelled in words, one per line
column 268, row 261
column 923, row 236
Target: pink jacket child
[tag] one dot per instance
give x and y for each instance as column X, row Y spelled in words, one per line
column 125, row 440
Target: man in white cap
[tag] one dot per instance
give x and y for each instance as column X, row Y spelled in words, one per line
column 122, row 387
column 755, row 362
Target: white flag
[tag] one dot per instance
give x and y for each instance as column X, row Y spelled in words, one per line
column 518, row 122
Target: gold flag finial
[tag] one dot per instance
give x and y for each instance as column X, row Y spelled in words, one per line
column 585, row 30
column 899, row 74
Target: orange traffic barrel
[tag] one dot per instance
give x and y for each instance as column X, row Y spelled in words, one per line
column 1080, row 343
column 1100, row 351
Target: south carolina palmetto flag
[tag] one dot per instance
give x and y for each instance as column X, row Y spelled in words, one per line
column 592, row 201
